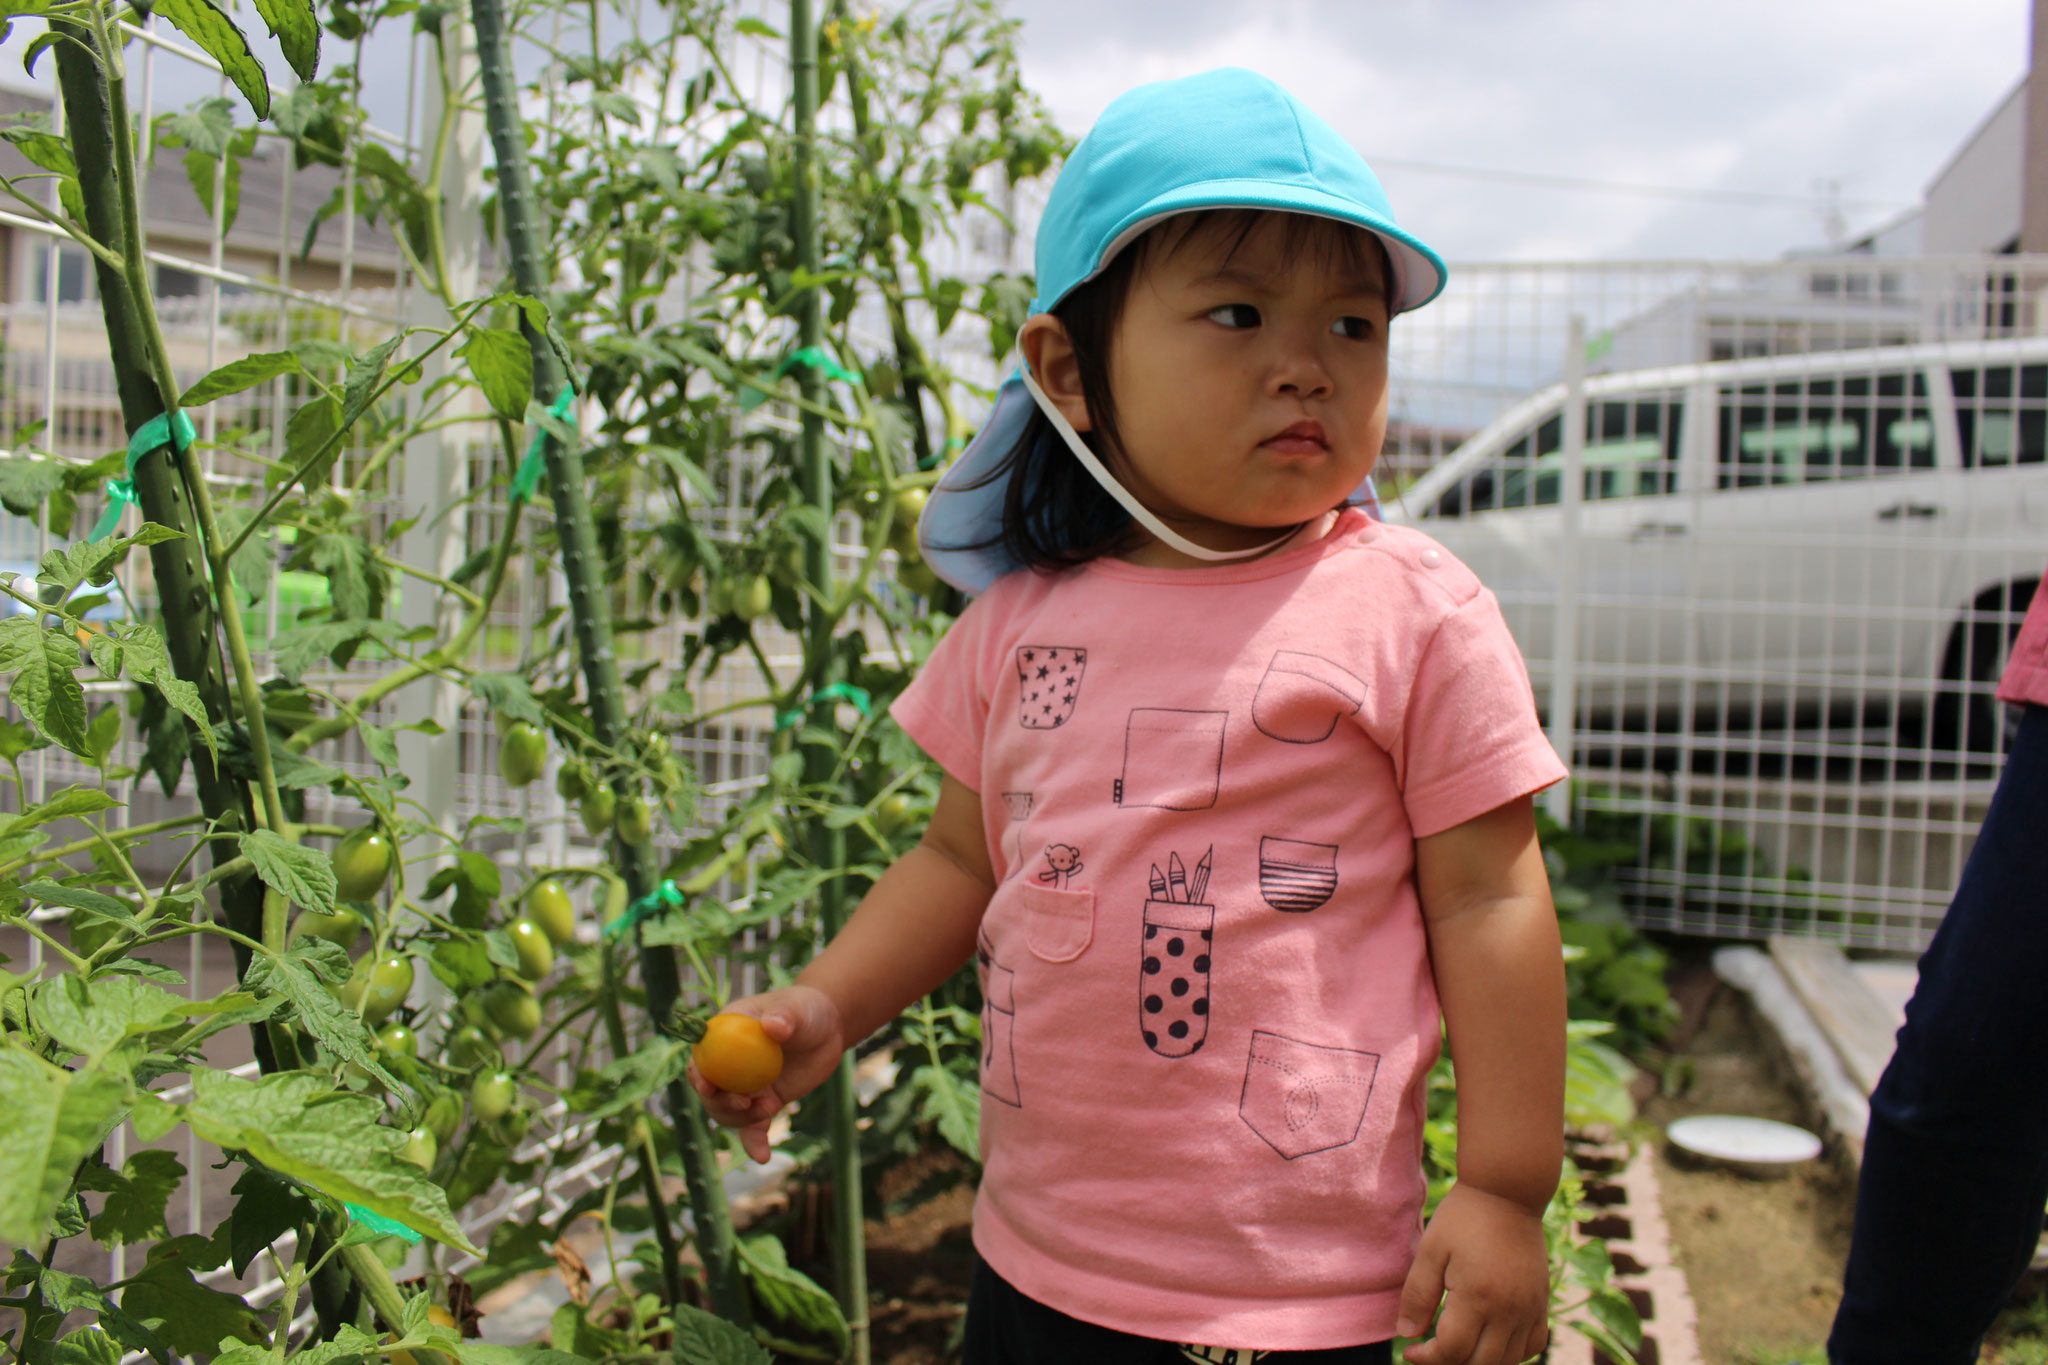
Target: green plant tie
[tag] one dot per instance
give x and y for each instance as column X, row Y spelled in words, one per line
column 535, row 464
column 667, row 896
column 810, row 358
column 379, row 1224
column 164, row 429
column 836, row 692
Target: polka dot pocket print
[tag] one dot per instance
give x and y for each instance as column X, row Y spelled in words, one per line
column 1173, row 975
column 1048, row 683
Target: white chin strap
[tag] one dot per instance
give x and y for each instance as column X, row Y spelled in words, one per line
column 1123, row 495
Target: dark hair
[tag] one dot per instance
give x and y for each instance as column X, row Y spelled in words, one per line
column 1055, row 515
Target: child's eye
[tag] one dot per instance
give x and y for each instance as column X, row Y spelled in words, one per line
column 1355, row 328
column 1234, row 315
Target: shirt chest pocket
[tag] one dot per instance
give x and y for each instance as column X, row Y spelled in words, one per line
column 1058, row 923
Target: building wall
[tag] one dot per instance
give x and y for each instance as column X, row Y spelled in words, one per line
column 1974, row 203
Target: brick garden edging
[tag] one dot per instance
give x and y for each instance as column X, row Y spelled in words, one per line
column 1630, row 1214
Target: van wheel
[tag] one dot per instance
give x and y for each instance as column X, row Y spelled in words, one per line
column 1967, row 712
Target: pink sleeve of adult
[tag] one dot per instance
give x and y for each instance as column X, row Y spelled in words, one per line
column 945, row 708
column 2026, row 672
column 1470, row 739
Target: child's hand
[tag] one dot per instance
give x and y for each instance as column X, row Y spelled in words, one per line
column 806, row 1023
column 1489, row 1254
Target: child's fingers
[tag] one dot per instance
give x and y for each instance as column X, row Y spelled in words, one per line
column 1422, row 1292
column 754, row 1139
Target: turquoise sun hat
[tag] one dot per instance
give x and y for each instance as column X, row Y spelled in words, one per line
column 1225, row 139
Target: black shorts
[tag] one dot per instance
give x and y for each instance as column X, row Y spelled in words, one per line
column 1007, row 1327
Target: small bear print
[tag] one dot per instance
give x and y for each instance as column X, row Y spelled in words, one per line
column 1065, row 861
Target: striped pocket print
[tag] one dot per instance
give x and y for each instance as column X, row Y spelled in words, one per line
column 1295, row 876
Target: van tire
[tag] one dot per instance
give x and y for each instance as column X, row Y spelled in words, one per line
column 1967, row 713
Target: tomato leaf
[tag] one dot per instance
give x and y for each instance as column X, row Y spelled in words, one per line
column 503, row 365
column 137, row 1195
column 218, row 36
column 297, row 30
column 47, row 691
column 301, row 874
column 54, row 1118
column 788, row 1295
column 297, row 1125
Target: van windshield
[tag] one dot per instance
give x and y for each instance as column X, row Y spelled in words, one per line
column 1631, row 451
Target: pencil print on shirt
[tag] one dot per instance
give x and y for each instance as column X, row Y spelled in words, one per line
column 1295, row 876
column 1173, row 760
column 1303, row 697
column 1173, row 971
column 1303, row 1098
column 1048, row 681
column 998, row 1026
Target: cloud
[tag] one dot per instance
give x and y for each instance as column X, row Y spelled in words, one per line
column 1752, row 95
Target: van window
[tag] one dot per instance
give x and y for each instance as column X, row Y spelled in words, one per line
column 1815, row 430
column 2002, row 415
column 1631, row 451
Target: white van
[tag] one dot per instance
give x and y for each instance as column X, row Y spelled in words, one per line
column 1852, row 534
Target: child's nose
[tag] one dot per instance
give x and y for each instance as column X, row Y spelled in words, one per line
column 1300, row 373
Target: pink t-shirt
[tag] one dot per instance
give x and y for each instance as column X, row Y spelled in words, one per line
column 2026, row 672
column 1210, row 1016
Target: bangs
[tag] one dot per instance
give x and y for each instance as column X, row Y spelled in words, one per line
column 1332, row 245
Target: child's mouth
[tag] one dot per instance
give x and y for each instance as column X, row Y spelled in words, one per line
column 1303, row 438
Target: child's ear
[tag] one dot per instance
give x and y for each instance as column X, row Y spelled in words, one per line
column 1049, row 353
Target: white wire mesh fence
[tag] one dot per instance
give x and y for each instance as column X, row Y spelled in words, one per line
column 1764, row 533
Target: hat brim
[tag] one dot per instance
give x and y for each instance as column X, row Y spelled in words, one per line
column 1419, row 273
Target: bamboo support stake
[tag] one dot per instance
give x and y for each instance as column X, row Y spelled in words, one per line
column 591, row 615
column 821, row 760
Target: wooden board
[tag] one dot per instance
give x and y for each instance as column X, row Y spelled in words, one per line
column 1859, row 1024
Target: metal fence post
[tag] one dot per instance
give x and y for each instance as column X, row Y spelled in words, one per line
column 1564, row 639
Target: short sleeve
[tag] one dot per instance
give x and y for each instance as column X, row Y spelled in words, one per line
column 945, row 707
column 1470, row 739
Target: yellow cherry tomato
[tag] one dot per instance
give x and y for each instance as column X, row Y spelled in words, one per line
column 736, row 1054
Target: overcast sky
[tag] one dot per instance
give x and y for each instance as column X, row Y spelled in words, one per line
column 1744, row 97
column 1756, row 96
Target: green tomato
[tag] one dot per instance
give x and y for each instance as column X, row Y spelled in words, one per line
column 342, row 928
column 572, row 781
column 443, row 1116
column 753, row 598
column 917, row 576
column 491, row 1096
column 375, row 989
column 522, row 753
column 469, row 1047
column 548, row 905
column 362, row 864
column 512, row 1008
column 511, row 1129
column 421, row 1148
column 596, row 809
column 718, row 597
column 398, row 1040
column 634, row 824
column 909, row 504
column 536, row 951
column 892, row 812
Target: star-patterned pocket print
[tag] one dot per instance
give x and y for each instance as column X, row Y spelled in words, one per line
column 1048, row 681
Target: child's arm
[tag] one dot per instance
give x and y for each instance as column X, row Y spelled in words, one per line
column 1499, row 968
column 910, row 932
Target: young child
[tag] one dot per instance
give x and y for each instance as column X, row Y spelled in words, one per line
column 1237, row 794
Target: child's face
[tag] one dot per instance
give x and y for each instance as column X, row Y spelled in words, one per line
column 1250, row 383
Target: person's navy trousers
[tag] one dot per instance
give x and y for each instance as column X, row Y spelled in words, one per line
column 1955, row 1164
